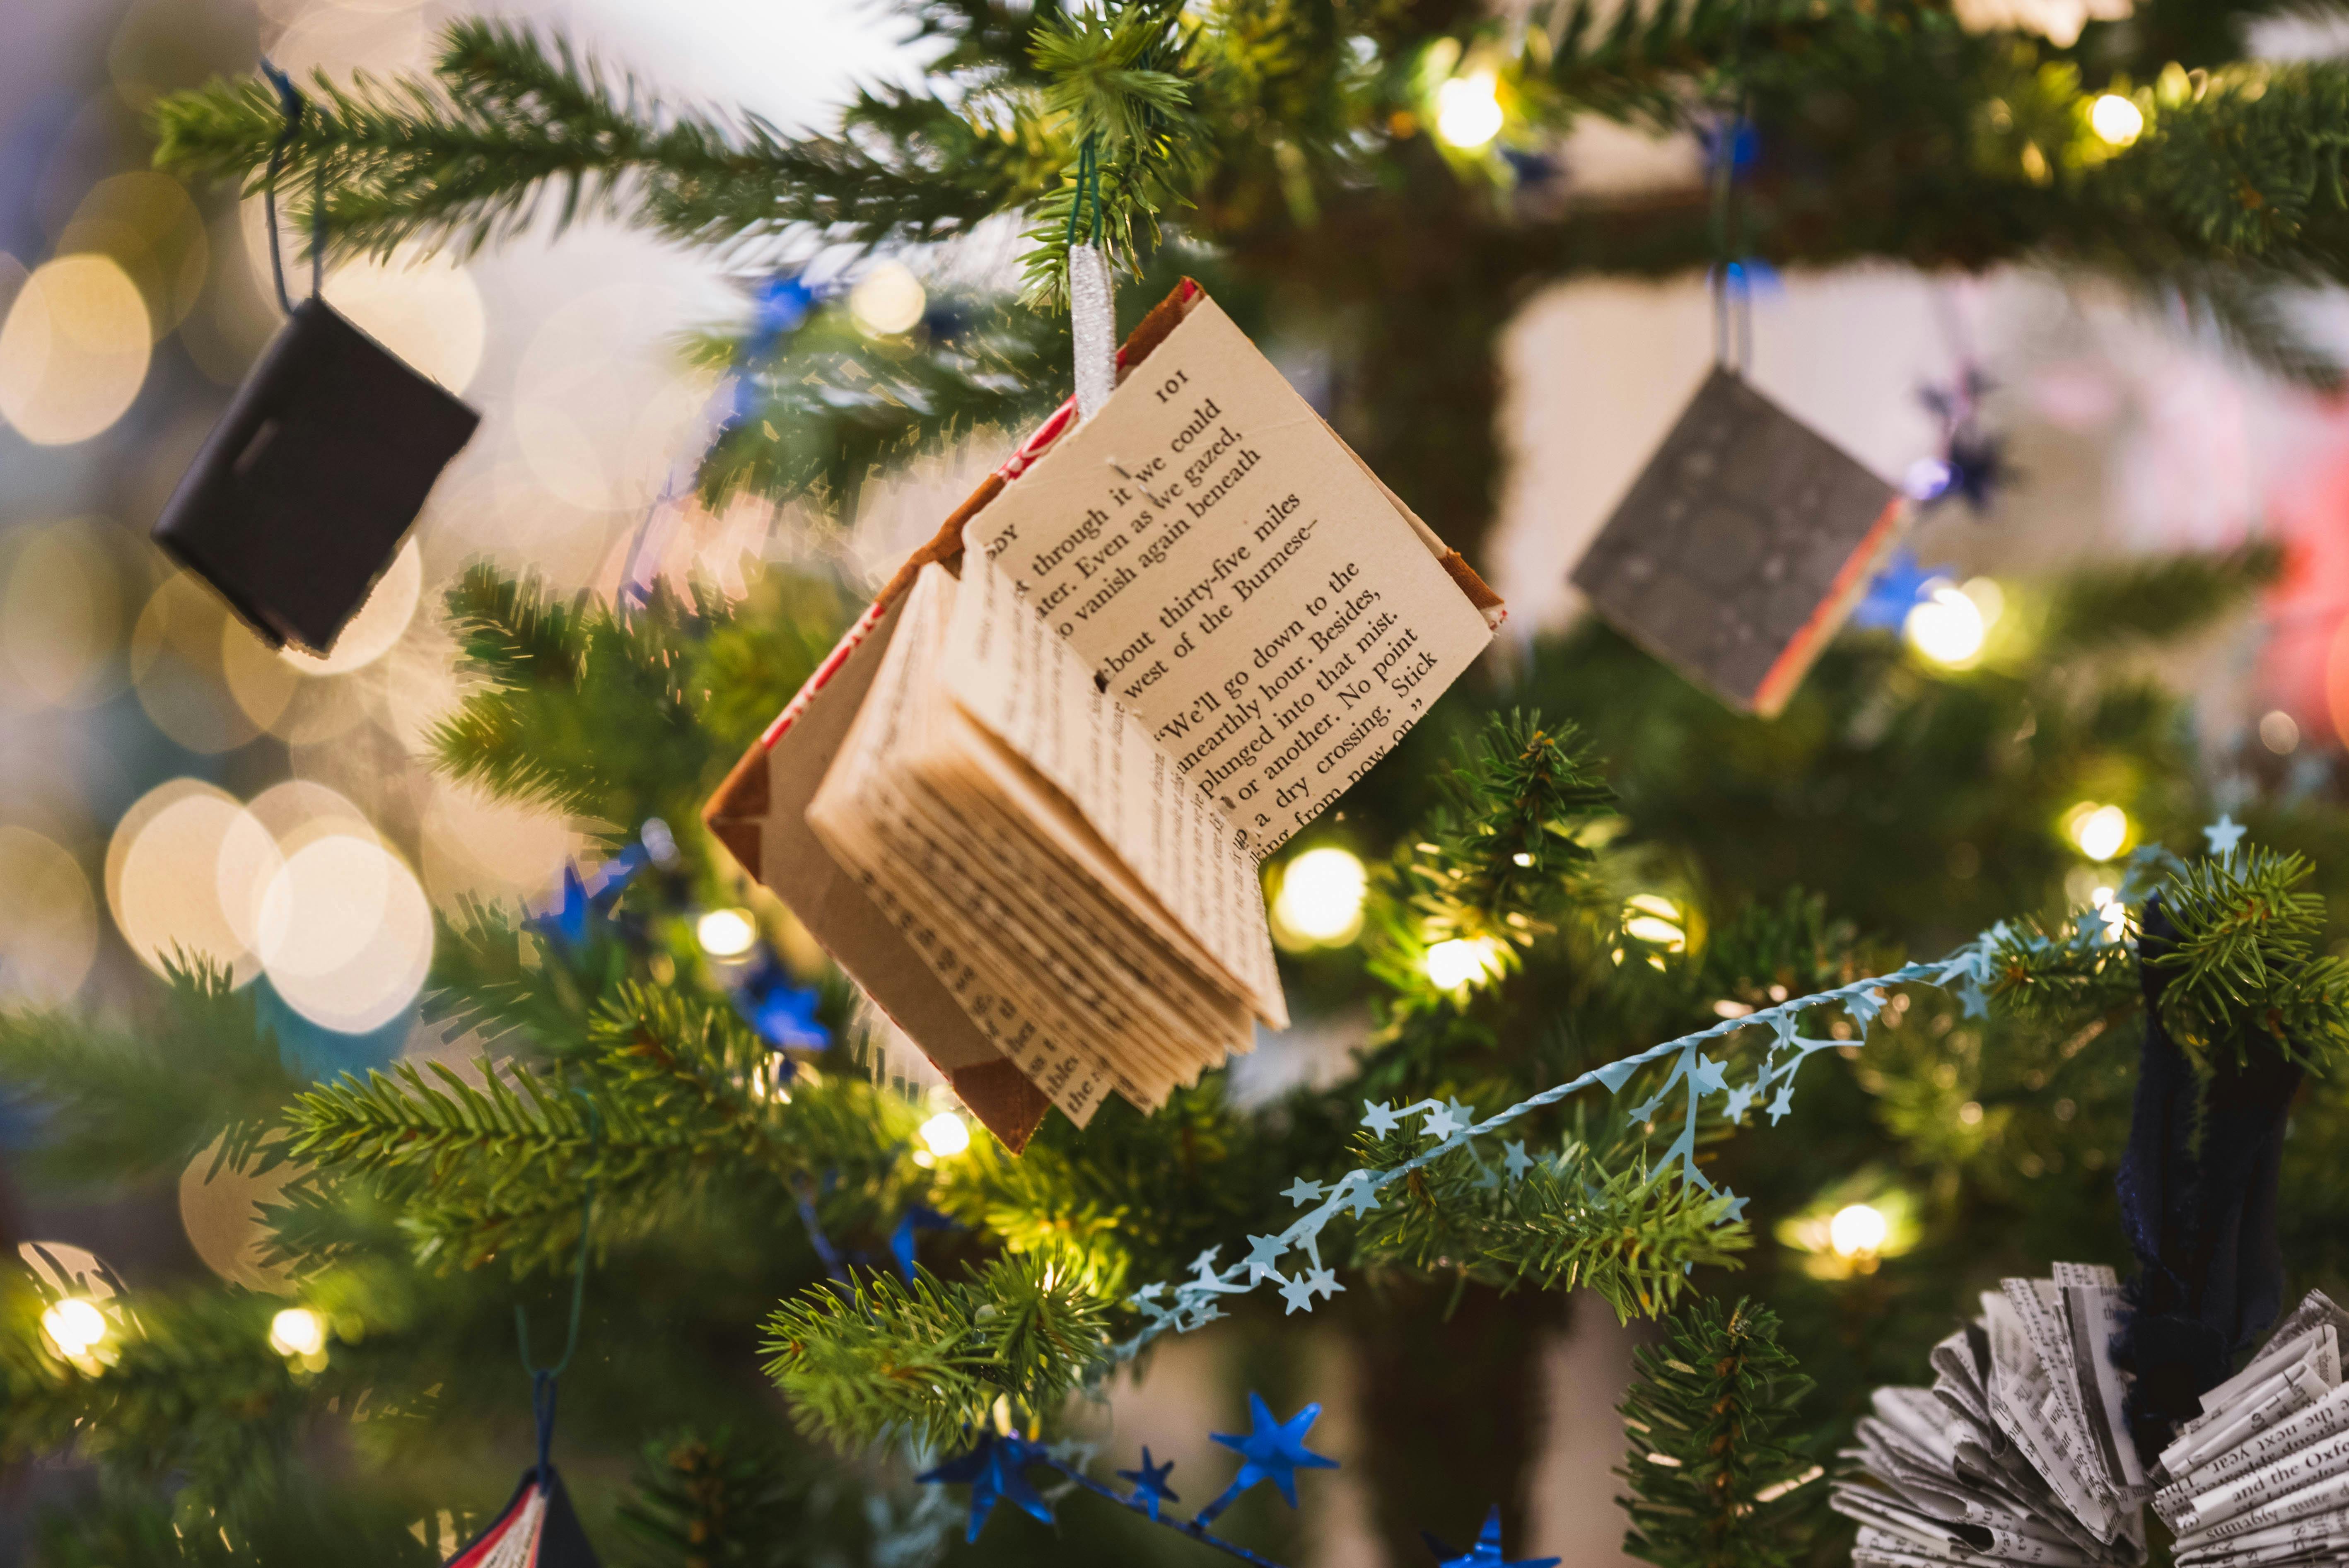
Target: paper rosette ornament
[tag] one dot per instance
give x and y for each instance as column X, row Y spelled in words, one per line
column 2260, row 1478
column 2019, row 1452
column 1742, row 547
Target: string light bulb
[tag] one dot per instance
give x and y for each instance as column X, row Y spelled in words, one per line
column 1857, row 1230
column 1460, row 962
column 2099, row 832
column 74, row 1326
column 887, row 299
column 2116, row 121
column 1321, row 898
column 727, row 932
column 1468, row 110
column 297, row 1332
column 1946, row 627
column 945, row 1134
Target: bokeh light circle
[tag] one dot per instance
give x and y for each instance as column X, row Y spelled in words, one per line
column 49, row 921
column 345, row 933
column 189, row 875
column 74, row 350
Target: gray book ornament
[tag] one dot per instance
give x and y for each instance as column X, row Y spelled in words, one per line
column 300, row 496
column 1741, row 546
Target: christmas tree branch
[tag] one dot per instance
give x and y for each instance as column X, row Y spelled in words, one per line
column 1715, row 1467
column 830, row 403
column 1576, row 1221
column 926, row 1362
column 112, row 1102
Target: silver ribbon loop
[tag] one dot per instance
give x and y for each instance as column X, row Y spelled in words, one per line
column 1092, row 319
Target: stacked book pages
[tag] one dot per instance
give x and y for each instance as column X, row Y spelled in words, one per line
column 2018, row 1453
column 2261, row 1477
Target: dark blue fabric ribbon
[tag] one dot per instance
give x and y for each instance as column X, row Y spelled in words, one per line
column 2198, row 1196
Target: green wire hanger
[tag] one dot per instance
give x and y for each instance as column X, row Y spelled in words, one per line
column 541, row 1379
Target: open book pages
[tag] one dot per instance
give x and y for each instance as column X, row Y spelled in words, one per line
column 1232, row 574
column 1097, row 923
column 2018, row 1453
column 2261, row 1477
column 1180, row 629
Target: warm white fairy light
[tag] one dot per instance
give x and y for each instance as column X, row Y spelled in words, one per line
column 888, row 300
column 1321, row 897
column 945, row 1134
column 1461, row 961
column 297, row 1332
column 1858, row 1230
column 2115, row 121
column 2100, row 833
column 74, row 1326
column 1945, row 627
column 725, row 932
column 1468, row 110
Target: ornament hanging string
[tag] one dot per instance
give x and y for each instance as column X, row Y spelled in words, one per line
column 1092, row 313
column 1733, row 286
column 290, row 97
column 543, row 1379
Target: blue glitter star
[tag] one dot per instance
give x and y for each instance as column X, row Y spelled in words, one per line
column 1364, row 1194
column 566, row 923
column 1740, row 1097
column 1298, row 1293
column 1380, row 1119
column 996, row 1470
column 1324, row 1280
column 1150, row 1487
column 1783, row 1103
column 2224, row 834
column 1487, row 1552
column 1274, row 1450
column 1301, row 1191
column 1514, row 1157
column 1709, row 1076
column 783, row 1014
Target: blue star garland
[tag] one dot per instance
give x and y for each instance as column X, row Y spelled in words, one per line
column 1487, row 1552
column 1966, row 973
column 995, row 1469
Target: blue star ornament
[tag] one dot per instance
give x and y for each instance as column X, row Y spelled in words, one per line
column 783, row 1014
column 1150, row 1487
column 1274, row 1450
column 995, row 1471
column 566, row 921
column 1487, row 1552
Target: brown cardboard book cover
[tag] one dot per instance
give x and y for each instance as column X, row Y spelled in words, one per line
column 1177, row 541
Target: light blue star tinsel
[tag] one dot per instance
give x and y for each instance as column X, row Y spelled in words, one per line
column 1966, row 973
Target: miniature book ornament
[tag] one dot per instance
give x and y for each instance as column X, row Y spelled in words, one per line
column 1022, row 803
column 1741, row 546
column 299, row 498
column 537, row 1528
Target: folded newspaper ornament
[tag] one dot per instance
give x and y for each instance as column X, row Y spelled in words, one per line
column 537, row 1528
column 299, row 498
column 2018, row 1453
column 2261, row 1477
column 1742, row 547
column 1023, row 801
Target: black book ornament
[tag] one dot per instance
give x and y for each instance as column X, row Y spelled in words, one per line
column 302, row 494
column 1741, row 546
